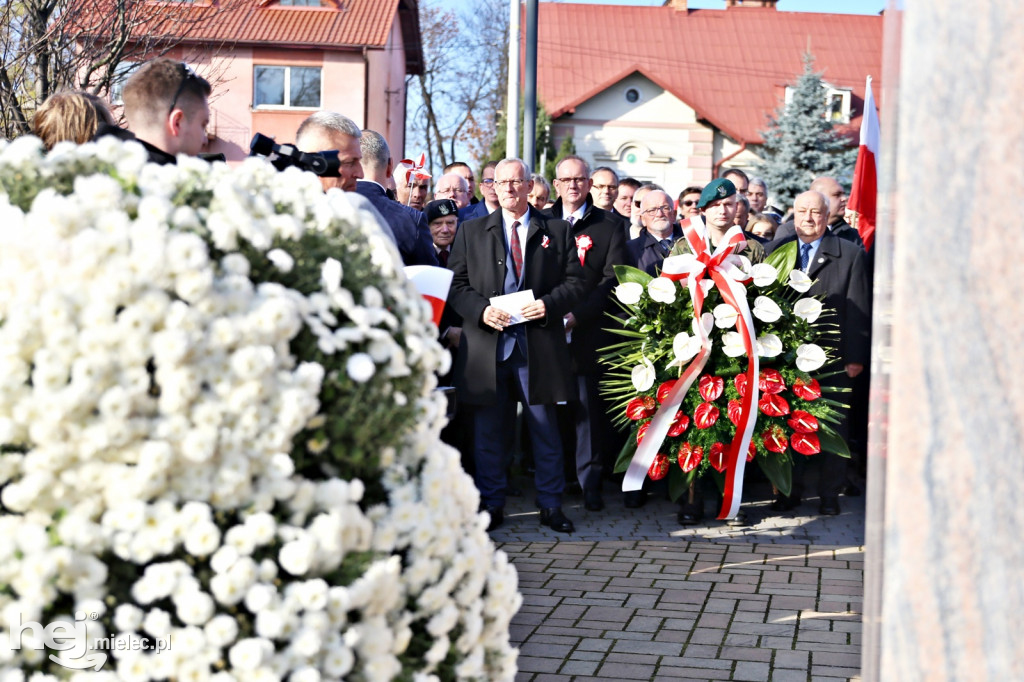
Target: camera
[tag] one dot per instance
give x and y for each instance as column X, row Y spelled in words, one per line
column 281, row 156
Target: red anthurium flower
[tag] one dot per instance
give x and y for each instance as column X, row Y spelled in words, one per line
column 705, row 416
column 771, row 382
column 716, row 457
column 808, row 390
column 806, row 443
column 751, row 451
column 803, row 422
column 641, row 431
column 679, row 424
column 659, row 467
column 664, row 389
column 636, row 410
column 735, row 412
column 741, row 384
column 690, row 457
column 774, row 440
column 710, row 387
column 773, row 405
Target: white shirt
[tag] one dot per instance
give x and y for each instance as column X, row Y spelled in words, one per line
column 810, row 254
column 575, row 215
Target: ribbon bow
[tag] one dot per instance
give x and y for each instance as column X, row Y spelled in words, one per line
column 703, row 271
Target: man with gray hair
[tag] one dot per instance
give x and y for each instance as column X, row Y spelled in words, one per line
column 757, row 194
column 452, row 186
column 329, row 131
column 503, row 359
column 412, row 234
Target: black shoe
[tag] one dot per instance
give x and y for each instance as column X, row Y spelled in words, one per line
column 739, row 520
column 852, row 490
column 497, row 516
column 829, row 506
column 690, row 515
column 784, row 503
column 634, row 499
column 554, row 519
column 592, row 501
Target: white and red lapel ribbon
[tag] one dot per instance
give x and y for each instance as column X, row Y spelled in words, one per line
column 722, row 269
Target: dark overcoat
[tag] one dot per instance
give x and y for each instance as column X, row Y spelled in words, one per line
column 478, row 261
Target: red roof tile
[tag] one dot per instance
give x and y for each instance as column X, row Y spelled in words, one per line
column 731, row 66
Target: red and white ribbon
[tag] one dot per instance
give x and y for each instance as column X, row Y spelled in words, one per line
column 414, row 169
column 433, row 283
column 722, row 268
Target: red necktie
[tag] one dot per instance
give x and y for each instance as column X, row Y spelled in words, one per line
column 442, row 256
column 517, row 250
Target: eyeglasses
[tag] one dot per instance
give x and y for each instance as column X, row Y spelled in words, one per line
column 667, row 210
column 689, row 202
column 601, row 187
column 187, row 74
column 574, row 181
column 488, row 181
column 515, row 182
column 448, row 190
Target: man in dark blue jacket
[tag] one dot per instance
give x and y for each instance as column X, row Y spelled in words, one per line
column 409, row 225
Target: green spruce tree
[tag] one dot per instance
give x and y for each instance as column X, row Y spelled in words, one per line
column 801, row 142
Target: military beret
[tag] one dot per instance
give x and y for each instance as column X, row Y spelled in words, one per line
column 440, row 208
column 715, row 190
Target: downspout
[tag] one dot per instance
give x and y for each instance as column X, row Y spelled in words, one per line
column 366, row 87
column 718, row 166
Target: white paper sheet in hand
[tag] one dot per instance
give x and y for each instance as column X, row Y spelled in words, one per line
column 513, row 304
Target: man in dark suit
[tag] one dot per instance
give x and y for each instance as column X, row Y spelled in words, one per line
column 490, row 202
column 837, row 225
column 600, row 246
column 515, row 249
column 838, row 269
column 408, row 225
column 647, row 251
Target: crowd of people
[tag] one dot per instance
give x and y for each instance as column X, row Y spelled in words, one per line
column 533, row 272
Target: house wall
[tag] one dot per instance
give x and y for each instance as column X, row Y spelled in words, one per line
column 386, row 104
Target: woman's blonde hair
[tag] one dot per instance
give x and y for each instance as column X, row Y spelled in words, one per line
column 74, row 116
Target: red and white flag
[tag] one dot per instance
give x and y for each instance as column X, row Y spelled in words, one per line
column 432, row 283
column 864, row 193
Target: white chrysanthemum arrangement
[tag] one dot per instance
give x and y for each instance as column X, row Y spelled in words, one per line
column 219, row 431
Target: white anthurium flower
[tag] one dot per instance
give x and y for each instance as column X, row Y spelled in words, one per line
column 808, row 309
column 764, row 275
column 662, row 290
column 799, row 281
column 766, row 310
column 810, row 357
column 685, row 347
column 732, row 344
column 629, row 293
column 643, row 376
column 725, row 316
column 769, row 345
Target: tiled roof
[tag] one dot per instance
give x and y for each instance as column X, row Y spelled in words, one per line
column 731, row 65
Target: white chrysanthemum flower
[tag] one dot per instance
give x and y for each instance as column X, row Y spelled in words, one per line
column 360, row 367
column 281, row 260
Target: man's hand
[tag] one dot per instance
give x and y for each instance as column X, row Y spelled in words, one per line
column 453, row 337
column 570, row 321
column 535, row 310
column 853, row 369
column 495, row 318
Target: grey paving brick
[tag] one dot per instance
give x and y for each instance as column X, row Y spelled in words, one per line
column 625, row 671
column 751, row 671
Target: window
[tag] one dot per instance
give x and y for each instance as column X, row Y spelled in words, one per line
column 287, row 86
column 837, row 102
column 301, row 3
column 121, row 73
column 632, row 95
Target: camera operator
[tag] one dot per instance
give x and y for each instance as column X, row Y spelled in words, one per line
column 326, row 130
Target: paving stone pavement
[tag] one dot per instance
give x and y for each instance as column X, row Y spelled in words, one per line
column 631, row 595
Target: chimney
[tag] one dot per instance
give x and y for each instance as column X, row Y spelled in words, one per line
column 677, row 5
column 751, row 3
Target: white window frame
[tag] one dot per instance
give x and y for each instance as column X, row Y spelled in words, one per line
column 287, row 87
column 830, row 92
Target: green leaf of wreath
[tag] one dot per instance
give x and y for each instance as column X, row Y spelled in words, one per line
column 778, row 470
column 627, row 273
column 783, row 259
column 831, row 441
column 626, row 454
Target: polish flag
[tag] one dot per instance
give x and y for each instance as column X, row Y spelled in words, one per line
column 864, row 193
column 432, row 283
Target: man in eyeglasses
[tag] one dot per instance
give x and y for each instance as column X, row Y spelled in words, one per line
column 490, row 203
column 462, row 169
column 514, row 250
column 452, row 186
column 658, row 234
column 167, row 108
column 687, row 203
column 328, row 131
column 600, row 246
